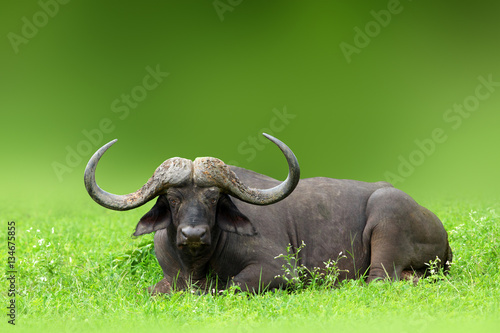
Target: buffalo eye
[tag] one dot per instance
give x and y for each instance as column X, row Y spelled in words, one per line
column 173, row 202
column 211, row 196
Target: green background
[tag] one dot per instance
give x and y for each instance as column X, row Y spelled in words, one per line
column 229, row 71
column 62, row 74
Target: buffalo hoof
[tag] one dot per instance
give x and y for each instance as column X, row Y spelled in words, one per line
column 162, row 287
column 411, row 276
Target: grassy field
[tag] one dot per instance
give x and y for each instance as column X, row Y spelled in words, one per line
column 78, row 269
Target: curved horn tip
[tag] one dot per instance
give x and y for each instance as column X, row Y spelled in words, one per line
column 270, row 137
column 105, row 147
column 110, row 143
column 274, row 140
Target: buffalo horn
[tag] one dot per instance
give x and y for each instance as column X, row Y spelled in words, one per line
column 172, row 172
column 209, row 171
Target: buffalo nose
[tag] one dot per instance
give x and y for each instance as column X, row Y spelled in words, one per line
column 194, row 234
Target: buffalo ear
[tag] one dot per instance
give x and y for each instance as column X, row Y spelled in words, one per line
column 157, row 218
column 229, row 218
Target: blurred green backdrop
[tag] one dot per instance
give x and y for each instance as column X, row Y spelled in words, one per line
column 368, row 90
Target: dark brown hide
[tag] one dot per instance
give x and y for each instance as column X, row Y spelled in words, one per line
column 380, row 229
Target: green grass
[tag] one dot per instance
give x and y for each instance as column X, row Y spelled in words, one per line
column 79, row 270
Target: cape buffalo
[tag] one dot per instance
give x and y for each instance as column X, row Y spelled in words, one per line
column 222, row 224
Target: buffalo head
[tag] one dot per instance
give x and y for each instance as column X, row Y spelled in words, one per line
column 193, row 198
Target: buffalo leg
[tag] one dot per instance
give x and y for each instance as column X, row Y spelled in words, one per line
column 386, row 260
column 256, row 278
column 401, row 235
column 162, row 287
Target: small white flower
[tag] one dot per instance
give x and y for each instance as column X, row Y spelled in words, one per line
column 37, row 230
column 41, row 241
column 34, row 245
column 52, row 261
column 52, row 229
column 43, row 279
column 70, row 260
column 48, row 244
